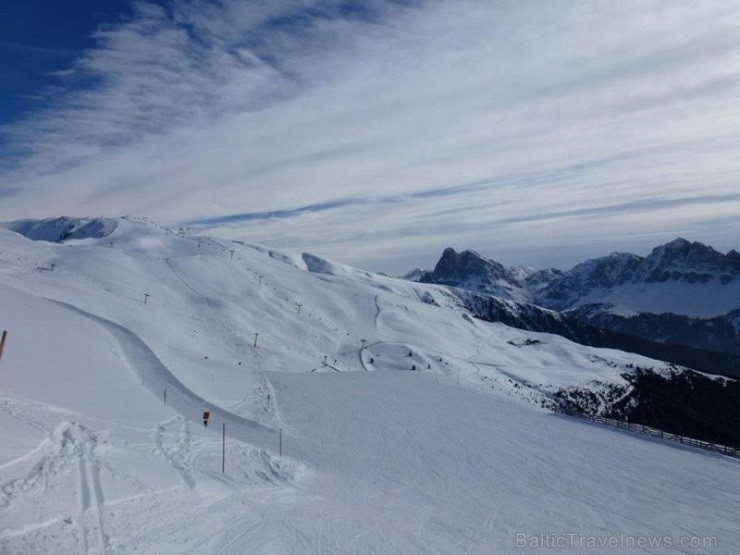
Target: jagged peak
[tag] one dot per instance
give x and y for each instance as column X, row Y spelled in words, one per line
column 698, row 255
column 450, row 252
column 611, row 260
column 469, row 269
column 680, row 246
column 680, row 242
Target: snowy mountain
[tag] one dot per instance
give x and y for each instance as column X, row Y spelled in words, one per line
column 361, row 413
column 469, row 270
column 682, row 293
column 538, row 280
column 679, row 277
column 59, row 230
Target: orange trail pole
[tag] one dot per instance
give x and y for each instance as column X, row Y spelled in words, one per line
column 2, row 342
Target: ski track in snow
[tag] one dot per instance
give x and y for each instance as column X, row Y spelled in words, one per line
column 72, row 445
column 69, row 446
column 89, row 491
column 175, row 453
column 156, row 377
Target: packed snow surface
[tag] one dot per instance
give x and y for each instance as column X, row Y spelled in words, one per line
column 406, row 427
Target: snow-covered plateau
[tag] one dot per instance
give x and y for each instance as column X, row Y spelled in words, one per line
column 362, row 413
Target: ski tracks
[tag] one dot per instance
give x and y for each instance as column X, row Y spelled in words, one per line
column 177, row 453
column 69, row 445
column 90, row 499
column 19, row 410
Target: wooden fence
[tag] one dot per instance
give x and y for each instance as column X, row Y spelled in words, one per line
column 654, row 432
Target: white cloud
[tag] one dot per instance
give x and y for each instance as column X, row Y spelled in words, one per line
column 512, row 127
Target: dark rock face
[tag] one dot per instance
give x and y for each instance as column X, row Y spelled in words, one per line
column 455, row 267
column 721, row 334
column 534, row 318
column 469, row 270
column 682, row 258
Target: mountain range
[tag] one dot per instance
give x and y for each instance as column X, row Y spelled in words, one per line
column 683, row 293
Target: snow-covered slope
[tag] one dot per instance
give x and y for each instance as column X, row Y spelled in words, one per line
column 62, row 229
column 408, row 426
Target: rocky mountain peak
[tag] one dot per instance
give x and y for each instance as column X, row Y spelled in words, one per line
column 606, row 279
column 683, row 260
column 454, row 267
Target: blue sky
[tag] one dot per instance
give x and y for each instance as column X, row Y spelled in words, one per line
column 39, row 42
column 380, row 132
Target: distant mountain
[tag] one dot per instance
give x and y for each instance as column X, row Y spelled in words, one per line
column 724, row 360
column 682, row 293
column 470, row 270
column 536, row 281
column 679, row 277
column 414, row 275
column 58, row 230
column 721, row 333
column 605, row 273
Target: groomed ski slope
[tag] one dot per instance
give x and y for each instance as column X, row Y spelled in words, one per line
column 456, row 456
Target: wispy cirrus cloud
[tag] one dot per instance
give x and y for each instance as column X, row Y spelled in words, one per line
column 380, row 132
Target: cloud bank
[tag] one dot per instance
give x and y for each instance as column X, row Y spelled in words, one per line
column 380, row 132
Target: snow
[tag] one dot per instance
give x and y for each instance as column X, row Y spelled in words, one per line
column 705, row 300
column 679, row 277
column 455, row 456
column 62, row 229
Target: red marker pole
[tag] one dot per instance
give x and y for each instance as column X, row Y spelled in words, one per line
column 2, row 342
